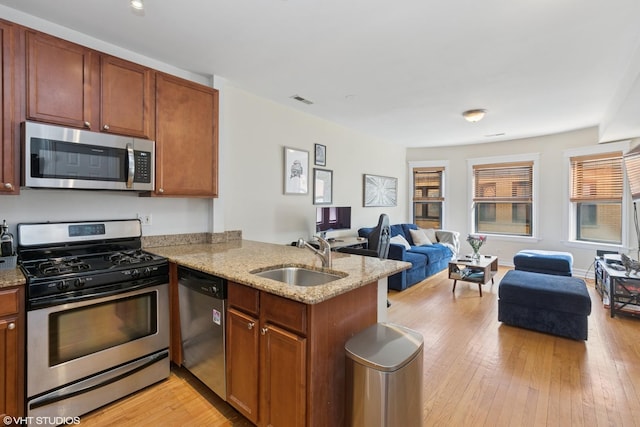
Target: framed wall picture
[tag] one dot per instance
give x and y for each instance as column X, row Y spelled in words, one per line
column 321, row 155
column 322, row 186
column 380, row 191
column 296, row 171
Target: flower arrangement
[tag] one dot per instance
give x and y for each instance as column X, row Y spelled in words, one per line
column 476, row 241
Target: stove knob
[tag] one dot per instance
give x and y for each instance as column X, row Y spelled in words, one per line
column 146, row 272
column 79, row 282
column 62, row 285
column 135, row 273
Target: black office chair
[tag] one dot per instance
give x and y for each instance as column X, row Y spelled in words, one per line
column 378, row 241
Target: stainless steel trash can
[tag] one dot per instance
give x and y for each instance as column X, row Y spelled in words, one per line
column 384, row 377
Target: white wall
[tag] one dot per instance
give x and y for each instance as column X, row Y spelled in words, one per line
column 169, row 216
column 552, row 231
column 254, row 200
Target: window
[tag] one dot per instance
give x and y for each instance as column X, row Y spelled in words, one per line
column 503, row 198
column 596, row 197
column 428, row 197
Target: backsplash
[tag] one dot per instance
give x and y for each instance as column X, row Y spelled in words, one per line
column 190, row 238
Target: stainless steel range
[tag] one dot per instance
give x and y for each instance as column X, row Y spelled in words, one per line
column 97, row 314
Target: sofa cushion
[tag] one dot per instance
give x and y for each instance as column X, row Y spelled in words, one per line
column 548, row 262
column 434, row 253
column 400, row 240
column 407, row 234
column 396, row 229
column 420, row 238
column 431, row 234
column 416, row 259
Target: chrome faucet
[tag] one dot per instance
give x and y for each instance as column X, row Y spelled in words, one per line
column 324, row 253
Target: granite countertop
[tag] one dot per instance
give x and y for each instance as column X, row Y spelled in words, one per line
column 11, row 277
column 234, row 260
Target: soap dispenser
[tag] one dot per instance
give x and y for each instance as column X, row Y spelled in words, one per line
column 6, row 240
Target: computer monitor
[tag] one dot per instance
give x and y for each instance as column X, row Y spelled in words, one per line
column 333, row 218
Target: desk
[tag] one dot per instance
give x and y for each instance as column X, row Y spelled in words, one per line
column 344, row 242
column 621, row 293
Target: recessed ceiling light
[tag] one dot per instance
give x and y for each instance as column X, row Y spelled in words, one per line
column 137, row 4
column 474, row 115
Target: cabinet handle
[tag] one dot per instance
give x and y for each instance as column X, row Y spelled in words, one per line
column 264, row 330
column 105, row 127
column 160, row 190
column 250, row 325
column 11, row 326
column 87, row 125
column 8, row 186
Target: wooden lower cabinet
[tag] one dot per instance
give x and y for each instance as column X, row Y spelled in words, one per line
column 12, row 329
column 286, row 359
column 283, row 377
column 242, row 363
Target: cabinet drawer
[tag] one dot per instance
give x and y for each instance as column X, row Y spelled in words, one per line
column 284, row 312
column 8, row 302
column 243, row 298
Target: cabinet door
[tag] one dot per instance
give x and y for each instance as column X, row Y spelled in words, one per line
column 186, row 138
column 9, row 144
column 59, row 81
column 9, row 386
column 283, row 375
column 242, row 363
column 127, row 98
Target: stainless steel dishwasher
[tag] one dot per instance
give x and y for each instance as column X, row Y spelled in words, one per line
column 202, row 325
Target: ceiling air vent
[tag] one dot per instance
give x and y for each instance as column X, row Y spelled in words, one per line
column 301, row 99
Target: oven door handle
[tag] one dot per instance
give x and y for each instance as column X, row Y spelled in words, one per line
column 103, row 293
column 131, row 165
column 79, row 388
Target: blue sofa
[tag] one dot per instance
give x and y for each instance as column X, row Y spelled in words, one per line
column 425, row 260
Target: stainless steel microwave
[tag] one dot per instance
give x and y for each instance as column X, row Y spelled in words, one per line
column 58, row 157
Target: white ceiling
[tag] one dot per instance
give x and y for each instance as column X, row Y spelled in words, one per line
column 402, row 71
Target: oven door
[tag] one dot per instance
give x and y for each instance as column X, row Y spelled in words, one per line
column 73, row 341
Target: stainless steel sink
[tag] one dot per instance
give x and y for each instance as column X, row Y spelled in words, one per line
column 299, row 276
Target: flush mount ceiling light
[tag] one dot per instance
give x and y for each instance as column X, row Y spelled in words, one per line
column 137, row 4
column 474, row 115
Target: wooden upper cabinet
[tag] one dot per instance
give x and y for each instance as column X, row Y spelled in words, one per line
column 72, row 85
column 61, row 78
column 9, row 135
column 186, row 138
column 127, row 98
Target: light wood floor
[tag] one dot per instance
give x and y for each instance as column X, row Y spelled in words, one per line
column 477, row 372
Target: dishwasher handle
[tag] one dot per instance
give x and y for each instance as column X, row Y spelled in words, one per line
column 206, row 284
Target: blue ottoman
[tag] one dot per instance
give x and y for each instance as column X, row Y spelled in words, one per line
column 547, row 262
column 547, row 303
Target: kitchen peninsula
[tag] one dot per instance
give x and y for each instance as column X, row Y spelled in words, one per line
column 285, row 344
